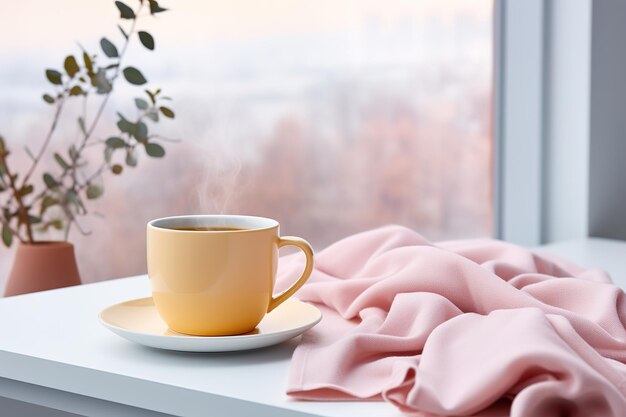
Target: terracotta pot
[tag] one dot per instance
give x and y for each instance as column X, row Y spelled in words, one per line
column 42, row 266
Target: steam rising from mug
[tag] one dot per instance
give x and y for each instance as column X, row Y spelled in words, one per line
column 220, row 181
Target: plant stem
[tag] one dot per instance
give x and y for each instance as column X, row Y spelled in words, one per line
column 92, row 177
column 44, row 146
column 67, row 230
column 96, row 119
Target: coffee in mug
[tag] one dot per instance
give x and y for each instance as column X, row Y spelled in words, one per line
column 210, row 228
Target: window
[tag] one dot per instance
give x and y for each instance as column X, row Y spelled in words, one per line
column 332, row 117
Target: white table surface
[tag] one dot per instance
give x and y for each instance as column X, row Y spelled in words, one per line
column 52, row 344
column 54, row 339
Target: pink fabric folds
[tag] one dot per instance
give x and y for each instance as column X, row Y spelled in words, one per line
column 461, row 328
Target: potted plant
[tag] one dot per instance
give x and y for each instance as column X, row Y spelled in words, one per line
column 33, row 202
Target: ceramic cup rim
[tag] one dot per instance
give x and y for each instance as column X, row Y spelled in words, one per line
column 249, row 223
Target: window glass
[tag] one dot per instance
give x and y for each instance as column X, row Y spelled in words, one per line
column 331, row 116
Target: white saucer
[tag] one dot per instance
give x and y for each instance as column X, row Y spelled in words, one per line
column 138, row 321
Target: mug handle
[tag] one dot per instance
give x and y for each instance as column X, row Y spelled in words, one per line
column 304, row 246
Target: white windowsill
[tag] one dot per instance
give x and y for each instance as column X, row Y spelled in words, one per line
column 607, row 254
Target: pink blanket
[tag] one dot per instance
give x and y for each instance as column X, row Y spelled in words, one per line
column 461, row 328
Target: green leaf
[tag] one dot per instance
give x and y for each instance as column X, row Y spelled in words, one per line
column 71, row 66
column 124, row 34
column 146, row 39
column 155, row 8
column 117, row 169
column 81, row 124
column 61, row 161
column 54, row 76
column 152, row 96
column 57, row 224
column 154, row 150
column 73, row 153
column 34, row 219
column 131, row 158
column 76, row 91
column 141, row 104
column 124, row 125
column 46, row 203
column 72, row 197
column 103, row 84
column 125, row 11
column 134, row 76
column 108, row 153
column 49, row 181
column 94, row 191
column 141, row 131
column 109, row 49
column 25, row 190
column 153, row 115
column 7, row 235
column 88, row 63
column 167, row 112
column 48, row 98
column 115, row 142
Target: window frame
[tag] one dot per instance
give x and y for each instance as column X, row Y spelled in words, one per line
column 519, row 29
column 548, row 66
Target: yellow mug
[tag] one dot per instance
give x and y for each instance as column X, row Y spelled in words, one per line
column 214, row 275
